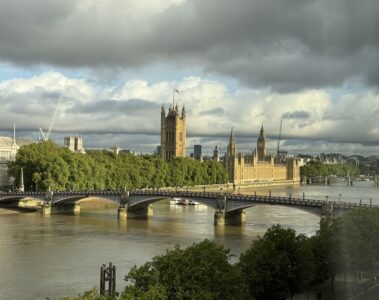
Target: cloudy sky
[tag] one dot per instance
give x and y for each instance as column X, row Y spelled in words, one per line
column 243, row 63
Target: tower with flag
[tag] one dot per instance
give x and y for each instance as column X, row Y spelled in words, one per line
column 173, row 130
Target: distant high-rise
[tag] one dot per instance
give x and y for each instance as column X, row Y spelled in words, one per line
column 173, row 133
column 74, row 143
column 197, row 152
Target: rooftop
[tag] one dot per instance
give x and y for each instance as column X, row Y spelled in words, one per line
column 6, row 142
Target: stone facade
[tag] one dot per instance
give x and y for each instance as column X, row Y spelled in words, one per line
column 173, row 133
column 8, row 151
column 215, row 156
column 258, row 166
column 74, row 143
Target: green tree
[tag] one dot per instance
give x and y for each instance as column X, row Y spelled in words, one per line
column 277, row 265
column 201, row 271
column 47, row 165
column 346, row 244
column 357, row 235
column 43, row 166
column 317, row 168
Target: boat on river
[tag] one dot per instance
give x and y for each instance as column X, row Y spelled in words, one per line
column 182, row 201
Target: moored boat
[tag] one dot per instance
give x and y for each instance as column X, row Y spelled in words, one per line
column 182, row 201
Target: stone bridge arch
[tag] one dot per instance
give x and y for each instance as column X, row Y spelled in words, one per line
column 21, row 202
column 69, row 203
column 140, row 205
column 137, row 203
column 67, row 199
column 312, row 210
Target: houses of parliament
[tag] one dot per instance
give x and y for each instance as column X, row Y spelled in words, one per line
column 242, row 168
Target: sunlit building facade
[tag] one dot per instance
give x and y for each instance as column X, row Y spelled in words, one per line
column 8, row 151
column 258, row 165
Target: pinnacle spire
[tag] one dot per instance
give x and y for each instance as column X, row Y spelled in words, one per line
column 232, row 139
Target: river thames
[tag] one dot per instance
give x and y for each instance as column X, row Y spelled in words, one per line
column 61, row 254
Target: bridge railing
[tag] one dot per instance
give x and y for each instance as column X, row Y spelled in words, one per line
column 210, row 195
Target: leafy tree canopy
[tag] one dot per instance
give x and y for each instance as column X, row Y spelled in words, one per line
column 317, row 168
column 47, row 165
column 201, row 271
column 277, row 265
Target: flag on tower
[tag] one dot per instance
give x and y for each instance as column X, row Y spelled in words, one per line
column 176, row 90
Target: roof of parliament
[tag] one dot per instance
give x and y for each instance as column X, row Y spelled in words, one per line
column 6, row 141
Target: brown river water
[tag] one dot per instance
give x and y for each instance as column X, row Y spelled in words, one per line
column 61, row 254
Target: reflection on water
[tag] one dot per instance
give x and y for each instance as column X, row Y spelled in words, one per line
column 360, row 190
column 61, row 255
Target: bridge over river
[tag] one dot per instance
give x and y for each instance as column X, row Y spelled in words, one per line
column 229, row 208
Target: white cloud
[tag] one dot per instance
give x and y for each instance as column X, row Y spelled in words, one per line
column 312, row 117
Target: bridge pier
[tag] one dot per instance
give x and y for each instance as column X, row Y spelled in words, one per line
column 46, row 209
column 234, row 218
column 69, row 209
column 327, row 211
column 122, row 213
column 219, row 218
column 139, row 211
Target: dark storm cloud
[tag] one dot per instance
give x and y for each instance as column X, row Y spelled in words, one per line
column 130, row 107
column 285, row 45
column 296, row 115
column 214, row 111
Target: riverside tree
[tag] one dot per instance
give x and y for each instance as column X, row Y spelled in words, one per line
column 201, row 271
column 48, row 165
column 277, row 265
column 317, row 168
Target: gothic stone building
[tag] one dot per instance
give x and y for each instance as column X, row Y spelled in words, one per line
column 258, row 165
column 173, row 133
column 8, row 151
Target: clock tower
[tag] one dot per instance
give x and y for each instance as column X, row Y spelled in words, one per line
column 261, row 146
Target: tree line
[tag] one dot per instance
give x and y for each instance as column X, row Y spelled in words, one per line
column 317, row 168
column 47, row 165
column 276, row 266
